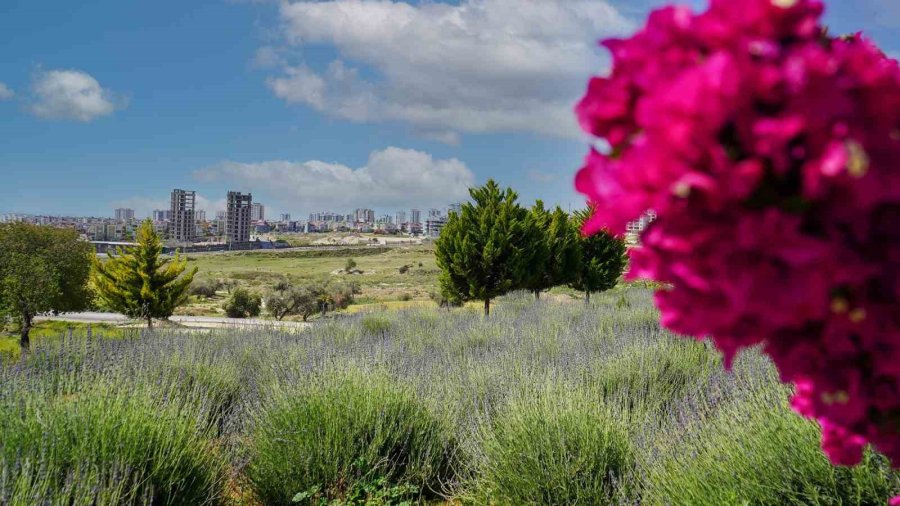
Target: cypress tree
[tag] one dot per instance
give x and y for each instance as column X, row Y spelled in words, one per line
column 486, row 249
column 138, row 283
column 602, row 258
column 557, row 256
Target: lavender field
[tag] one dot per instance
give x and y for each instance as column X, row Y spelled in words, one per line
column 542, row 403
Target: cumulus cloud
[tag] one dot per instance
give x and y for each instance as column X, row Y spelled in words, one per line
column 72, row 94
column 392, row 178
column 479, row 66
column 268, row 57
column 6, row 92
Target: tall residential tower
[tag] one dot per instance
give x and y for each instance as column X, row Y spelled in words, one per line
column 237, row 217
column 182, row 227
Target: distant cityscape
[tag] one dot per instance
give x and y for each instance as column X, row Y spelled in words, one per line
column 241, row 222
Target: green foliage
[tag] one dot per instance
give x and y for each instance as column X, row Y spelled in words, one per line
column 373, row 493
column 342, row 294
column 285, row 299
column 41, row 269
column 559, row 253
column 243, row 304
column 205, row 288
column 376, row 324
column 99, row 447
column 487, row 249
column 602, row 258
column 350, row 265
column 755, row 450
column 327, row 437
column 445, row 298
column 138, row 283
column 555, row 448
column 536, row 278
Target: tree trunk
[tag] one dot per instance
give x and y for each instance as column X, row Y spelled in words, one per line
column 24, row 336
column 487, row 307
column 587, row 298
column 537, row 295
column 149, row 323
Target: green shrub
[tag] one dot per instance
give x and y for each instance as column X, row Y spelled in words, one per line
column 327, row 438
column 215, row 389
column 656, row 375
column 100, row 447
column 556, row 448
column 205, row 288
column 757, row 451
column 376, row 324
column 243, row 304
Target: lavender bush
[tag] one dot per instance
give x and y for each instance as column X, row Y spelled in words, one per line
column 543, row 403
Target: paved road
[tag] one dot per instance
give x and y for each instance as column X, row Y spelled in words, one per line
column 188, row 321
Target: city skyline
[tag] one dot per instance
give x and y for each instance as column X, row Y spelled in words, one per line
column 111, row 104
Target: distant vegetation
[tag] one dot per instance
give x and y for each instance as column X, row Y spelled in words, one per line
column 494, row 246
column 543, row 403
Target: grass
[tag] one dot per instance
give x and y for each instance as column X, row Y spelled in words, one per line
column 381, row 280
column 542, row 403
column 54, row 330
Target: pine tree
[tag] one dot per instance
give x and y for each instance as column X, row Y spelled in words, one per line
column 486, row 249
column 138, row 283
column 602, row 258
column 558, row 256
column 536, row 277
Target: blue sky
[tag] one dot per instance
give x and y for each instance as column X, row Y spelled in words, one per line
column 310, row 105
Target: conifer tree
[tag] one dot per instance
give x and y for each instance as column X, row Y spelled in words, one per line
column 602, row 258
column 486, row 249
column 138, row 283
column 557, row 257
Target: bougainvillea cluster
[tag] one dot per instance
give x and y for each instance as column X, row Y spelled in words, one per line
column 770, row 153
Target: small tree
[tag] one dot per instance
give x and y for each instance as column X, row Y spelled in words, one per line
column 342, row 294
column 41, row 269
column 138, row 283
column 602, row 258
column 286, row 299
column 243, row 304
column 485, row 250
column 350, row 265
column 205, row 288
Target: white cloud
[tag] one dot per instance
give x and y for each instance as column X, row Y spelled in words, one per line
column 72, row 94
column 268, row 57
column 480, row 66
column 6, row 92
column 391, row 179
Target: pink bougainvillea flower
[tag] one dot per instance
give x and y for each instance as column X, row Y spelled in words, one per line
column 770, row 153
